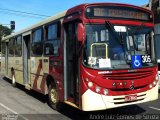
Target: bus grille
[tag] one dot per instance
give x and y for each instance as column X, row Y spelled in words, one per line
column 128, row 75
column 122, row 100
column 127, row 89
column 128, row 101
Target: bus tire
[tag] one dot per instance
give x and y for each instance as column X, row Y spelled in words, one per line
column 53, row 98
column 13, row 81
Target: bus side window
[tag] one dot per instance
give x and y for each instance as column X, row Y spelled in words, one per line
column 52, row 42
column 37, row 45
column 11, row 47
column 3, row 49
column 18, row 46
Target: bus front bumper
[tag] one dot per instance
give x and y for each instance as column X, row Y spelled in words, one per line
column 92, row 101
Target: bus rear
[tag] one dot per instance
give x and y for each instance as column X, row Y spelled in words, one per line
column 119, row 65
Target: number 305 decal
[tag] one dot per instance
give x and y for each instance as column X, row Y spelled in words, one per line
column 146, row 59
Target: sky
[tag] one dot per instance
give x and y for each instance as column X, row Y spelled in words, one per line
column 44, row 7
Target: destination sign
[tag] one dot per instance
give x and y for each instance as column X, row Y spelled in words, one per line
column 117, row 12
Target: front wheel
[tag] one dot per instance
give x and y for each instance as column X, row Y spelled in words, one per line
column 53, row 98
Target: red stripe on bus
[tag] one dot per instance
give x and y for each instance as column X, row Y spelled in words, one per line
column 42, row 90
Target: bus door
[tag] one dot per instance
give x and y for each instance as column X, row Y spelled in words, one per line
column 6, row 58
column 71, row 68
column 26, row 58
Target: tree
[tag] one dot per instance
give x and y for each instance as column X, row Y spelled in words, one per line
column 4, row 31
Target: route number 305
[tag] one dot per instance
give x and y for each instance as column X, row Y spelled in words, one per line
column 146, row 59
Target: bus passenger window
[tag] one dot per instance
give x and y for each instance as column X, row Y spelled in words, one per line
column 18, row 46
column 52, row 42
column 37, row 45
column 3, row 49
column 11, row 48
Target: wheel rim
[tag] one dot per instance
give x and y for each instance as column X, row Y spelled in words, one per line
column 53, row 95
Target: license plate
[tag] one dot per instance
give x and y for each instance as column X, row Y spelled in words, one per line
column 131, row 98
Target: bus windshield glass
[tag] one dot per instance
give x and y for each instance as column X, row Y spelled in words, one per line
column 113, row 47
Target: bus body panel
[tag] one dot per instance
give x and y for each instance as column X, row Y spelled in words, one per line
column 36, row 72
column 18, row 70
column 11, row 63
column 3, row 67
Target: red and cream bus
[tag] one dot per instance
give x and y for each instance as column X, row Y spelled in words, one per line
column 93, row 57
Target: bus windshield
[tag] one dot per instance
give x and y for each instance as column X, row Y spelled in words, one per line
column 113, row 48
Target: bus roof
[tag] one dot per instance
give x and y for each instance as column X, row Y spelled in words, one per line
column 50, row 19
column 67, row 12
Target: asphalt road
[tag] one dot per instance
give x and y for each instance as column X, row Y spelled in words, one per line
column 19, row 103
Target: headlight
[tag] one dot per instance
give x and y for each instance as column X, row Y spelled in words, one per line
column 157, row 77
column 96, row 88
column 90, row 84
column 150, row 86
column 154, row 83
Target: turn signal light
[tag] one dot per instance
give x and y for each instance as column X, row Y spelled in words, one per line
column 98, row 89
column 105, row 91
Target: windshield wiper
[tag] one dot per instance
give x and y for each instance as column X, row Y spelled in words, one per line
column 139, row 28
column 110, row 26
column 117, row 36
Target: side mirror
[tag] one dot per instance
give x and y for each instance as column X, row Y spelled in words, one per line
column 80, row 32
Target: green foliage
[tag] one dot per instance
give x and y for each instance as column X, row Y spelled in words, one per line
column 4, row 31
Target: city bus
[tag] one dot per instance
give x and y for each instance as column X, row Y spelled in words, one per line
column 93, row 57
